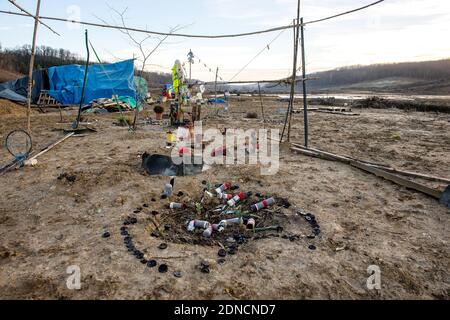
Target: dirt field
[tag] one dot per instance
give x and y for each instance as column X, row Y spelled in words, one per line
column 48, row 224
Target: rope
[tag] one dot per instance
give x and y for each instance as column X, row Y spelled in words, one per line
column 258, row 54
column 197, row 35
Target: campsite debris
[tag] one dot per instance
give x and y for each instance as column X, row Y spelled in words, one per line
column 241, row 196
column 168, row 188
column 208, row 232
column 225, row 196
column 263, row 204
column 251, row 223
column 174, row 205
column 223, row 187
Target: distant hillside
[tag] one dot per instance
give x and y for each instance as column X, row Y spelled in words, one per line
column 427, row 77
column 14, row 63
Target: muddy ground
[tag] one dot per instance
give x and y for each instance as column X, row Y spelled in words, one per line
column 48, row 224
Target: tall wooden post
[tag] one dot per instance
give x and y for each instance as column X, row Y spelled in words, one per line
column 305, row 101
column 294, row 72
column 215, row 88
column 30, row 70
column 261, row 101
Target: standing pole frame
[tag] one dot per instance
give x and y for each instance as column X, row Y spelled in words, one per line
column 75, row 125
column 305, row 100
column 31, row 67
column 289, row 112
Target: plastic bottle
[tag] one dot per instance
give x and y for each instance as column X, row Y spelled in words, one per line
column 201, row 224
column 168, row 187
column 236, row 199
column 233, row 220
column 208, row 232
column 263, row 204
column 225, row 196
column 174, row 205
column 223, row 187
column 218, row 227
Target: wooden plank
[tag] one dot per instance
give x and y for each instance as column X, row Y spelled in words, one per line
column 397, row 179
column 377, row 165
column 52, row 145
column 371, row 169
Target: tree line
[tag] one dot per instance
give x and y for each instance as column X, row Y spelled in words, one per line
column 426, row 70
column 17, row 60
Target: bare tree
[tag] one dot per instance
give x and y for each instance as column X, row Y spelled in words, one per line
column 141, row 45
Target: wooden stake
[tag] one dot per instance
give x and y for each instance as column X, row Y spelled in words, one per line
column 31, row 67
column 305, row 99
column 294, row 72
column 215, row 88
column 261, row 101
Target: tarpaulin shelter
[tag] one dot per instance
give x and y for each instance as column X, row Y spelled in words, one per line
column 16, row 90
column 66, row 82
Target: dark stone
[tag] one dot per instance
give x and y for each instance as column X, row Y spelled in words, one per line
column 162, row 246
column 163, row 268
column 222, row 252
column 106, row 234
column 312, row 247
column 177, row 274
column 151, row 263
column 205, row 269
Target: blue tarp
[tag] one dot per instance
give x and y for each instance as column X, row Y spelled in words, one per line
column 66, row 82
column 20, row 87
column 218, row 100
column 11, row 95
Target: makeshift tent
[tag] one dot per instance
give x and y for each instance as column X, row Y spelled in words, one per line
column 11, row 95
column 66, row 82
column 16, row 90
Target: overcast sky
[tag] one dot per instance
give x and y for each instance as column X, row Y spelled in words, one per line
column 393, row 31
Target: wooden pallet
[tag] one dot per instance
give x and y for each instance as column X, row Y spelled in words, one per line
column 46, row 101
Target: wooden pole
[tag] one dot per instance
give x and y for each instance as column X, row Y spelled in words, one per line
column 75, row 126
column 215, row 88
column 305, row 100
column 261, row 101
column 294, row 71
column 31, row 67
